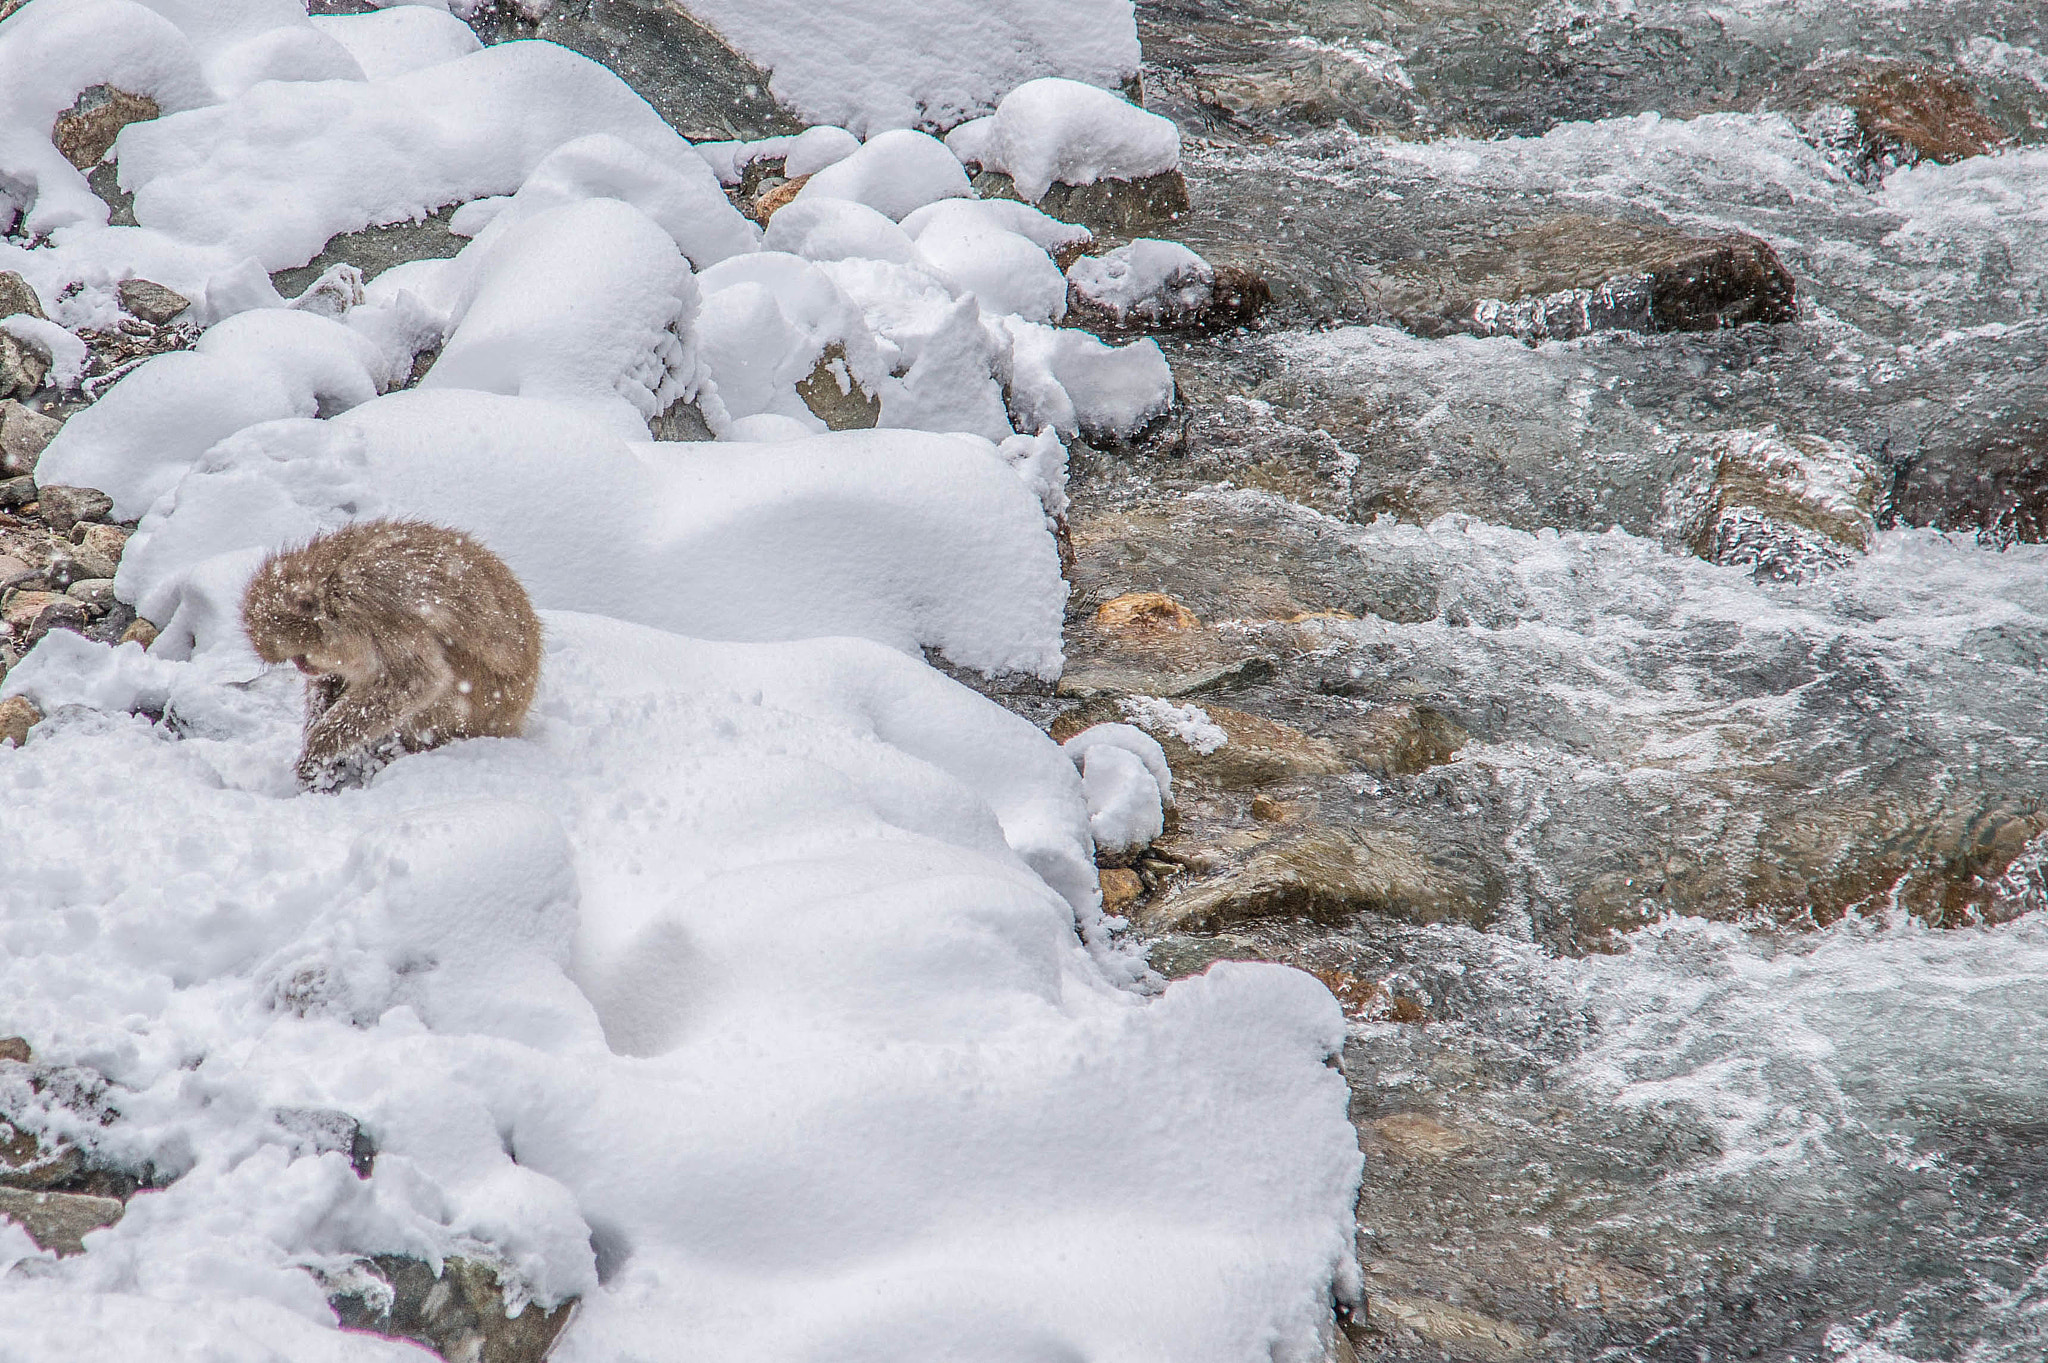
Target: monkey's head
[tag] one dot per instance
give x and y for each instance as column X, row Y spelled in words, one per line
column 281, row 612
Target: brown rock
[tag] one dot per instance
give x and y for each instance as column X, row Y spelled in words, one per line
column 17, row 295
column 85, row 132
column 59, row 1221
column 151, row 302
column 103, row 541
column 24, row 434
column 763, row 208
column 1461, row 1333
column 1576, row 275
column 30, row 615
column 25, row 1162
column 141, row 632
column 15, row 1048
column 1369, row 999
column 1875, row 116
column 64, row 507
column 17, row 492
column 1329, row 875
column 1400, row 740
column 1415, row 1136
column 13, row 571
column 1995, row 487
column 1786, row 505
column 1113, row 208
column 22, row 367
column 460, row 1313
column 1258, row 752
column 1120, row 889
column 1266, row 809
column 835, row 397
column 1145, row 611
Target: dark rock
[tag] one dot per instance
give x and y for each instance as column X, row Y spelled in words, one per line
column 1325, row 874
column 1576, row 275
column 1193, row 295
column 114, row 623
column 24, row 434
column 375, row 250
column 104, row 180
column 682, row 421
column 17, row 492
column 85, row 132
column 1873, row 117
column 64, row 507
column 22, row 367
column 59, row 1221
column 151, row 302
column 320, row 1130
column 460, row 1314
column 16, row 295
column 835, row 397
column 1995, row 488
column 1090, row 682
column 1108, row 208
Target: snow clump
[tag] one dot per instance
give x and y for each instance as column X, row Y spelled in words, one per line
column 1061, row 131
column 1125, row 777
column 1156, row 283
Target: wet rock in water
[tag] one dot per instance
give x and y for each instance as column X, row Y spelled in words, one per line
column 18, row 714
column 1121, row 888
column 1110, row 680
column 1995, row 488
column 151, row 302
column 1152, row 285
column 30, row 615
column 1256, row 751
column 462, row 1314
column 1108, row 208
column 374, row 250
column 1458, row 1332
column 1874, row 117
column 1786, row 505
column 59, row 1221
column 24, row 434
column 835, row 397
column 1576, row 275
column 1400, row 740
column 85, row 132
column 1144, row 611
column 18, row 295
column 1329, row 875
column 1369, row 999
column 1414, row 1136
column 64, row 507
column 22, row 367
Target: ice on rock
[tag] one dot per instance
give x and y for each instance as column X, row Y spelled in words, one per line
column 1076, row 384
column 836, row 229
column 1001, row 215
column 391, row 42
column 140, row 438
column 894, row 173
column 1052, row 130
column 813, row 149
column 276, row 172
column 1150, row 281
column 869, row 67
column 1007, row 273
column 588, row 304
column 768, row 319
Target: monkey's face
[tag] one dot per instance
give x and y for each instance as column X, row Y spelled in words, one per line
column 282, row 618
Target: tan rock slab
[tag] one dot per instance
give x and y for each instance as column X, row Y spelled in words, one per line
column 59, row 1221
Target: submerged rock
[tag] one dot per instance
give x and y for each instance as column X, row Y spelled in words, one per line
column 1996, row 488
column 464, row 1312
column 1328, row 875
column 1874, row 117
column 1576, row 275
column 85, row 132
column 1788, row 506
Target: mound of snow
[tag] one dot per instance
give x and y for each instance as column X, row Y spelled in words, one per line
column 391, row 42
column 1125, row 778
column 1048, row 131
column 768, row 319
column 913, row 539
column 932, row 64
column 999, row 215
column 894, row 173
column 836, row 229
column 1007, row 273
column 1076, row 384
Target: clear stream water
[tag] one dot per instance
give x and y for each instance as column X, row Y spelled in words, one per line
column 1667, row 1116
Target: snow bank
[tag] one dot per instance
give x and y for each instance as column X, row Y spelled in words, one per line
column 1002, row 215
column 733, row 999
column 276, row 172
column 932, row 64
column 915, row 540
column 1061, row 130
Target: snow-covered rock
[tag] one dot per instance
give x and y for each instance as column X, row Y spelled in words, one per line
column 1076, row 384
column 1005, row 272
column 1127, row 783
column 1053, row 130
column 894, row 173
column 836, row 229
column 1148, row 281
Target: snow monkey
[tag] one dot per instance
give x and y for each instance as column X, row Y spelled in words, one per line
column 411, row 635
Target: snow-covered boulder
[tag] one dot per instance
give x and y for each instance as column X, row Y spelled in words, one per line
column 895, row 173
column 1127, row 783
column 1052, row 130
column 1077, row 384
column 1155, row 285
column 1005, row 272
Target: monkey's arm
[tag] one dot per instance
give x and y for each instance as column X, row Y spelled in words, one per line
column 321, row 693
column 365, row 714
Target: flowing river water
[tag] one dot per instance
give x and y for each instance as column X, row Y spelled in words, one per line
column 1691, row 927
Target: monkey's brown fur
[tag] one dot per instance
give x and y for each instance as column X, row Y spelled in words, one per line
column 411, row 635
